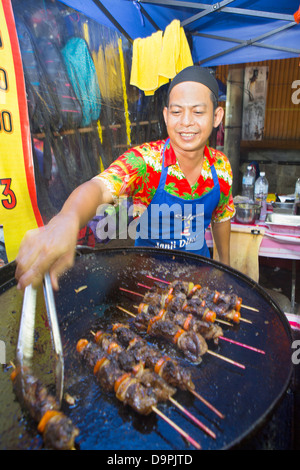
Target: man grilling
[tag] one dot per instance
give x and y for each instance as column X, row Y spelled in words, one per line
column 181, row 174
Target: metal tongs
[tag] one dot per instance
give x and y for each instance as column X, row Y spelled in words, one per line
column 24, row 354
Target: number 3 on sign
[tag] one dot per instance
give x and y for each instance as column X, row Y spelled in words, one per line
column 11, row 201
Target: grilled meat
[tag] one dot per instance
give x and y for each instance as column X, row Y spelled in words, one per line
column 190, row 343
column 201, row 301
column 35, row 397
column 128, row 361
column 58, row 431
column 166, row 367
column 185, row 320
column 129, row 389
column 162, row 389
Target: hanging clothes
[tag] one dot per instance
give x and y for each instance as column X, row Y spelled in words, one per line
column 175, row 54
column 145, row 63
column 159, row 57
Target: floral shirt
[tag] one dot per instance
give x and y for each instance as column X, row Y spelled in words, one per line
column 137, row 172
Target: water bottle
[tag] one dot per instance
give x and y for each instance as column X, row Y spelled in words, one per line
column 297, row 198
column 261, row 192
column 248, row 183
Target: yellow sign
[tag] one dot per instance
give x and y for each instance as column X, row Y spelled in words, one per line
column 18, row 208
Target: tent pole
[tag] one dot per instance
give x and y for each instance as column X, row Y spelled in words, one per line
column 233, row 121
column 249, row 42
column 144, row 12
column 113, row 20
column 240, row 41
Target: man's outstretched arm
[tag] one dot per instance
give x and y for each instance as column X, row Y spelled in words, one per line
column 52, row 248
column 221, row 233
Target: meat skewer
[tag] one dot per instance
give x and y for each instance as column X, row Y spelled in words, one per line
column 126, row 387
column 179, row 304
column 126, row 360
column 201, row 310
column 232, row 300
column 208, row 330
column 165, row 366
column 56, row 428
column 186, row 321
column 191, row 344
column 203, row 302
column 207, row 314
column 239, row 301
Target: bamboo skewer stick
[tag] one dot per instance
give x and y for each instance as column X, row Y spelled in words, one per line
column 176, row 427
column 168, row 282
column 250, row 308
column 226, row 359
column 126, row 311
column 245, row 320
column 231, row 361
column 131, row 292
column 192, row 417
column 209, row 405
column 243, row 345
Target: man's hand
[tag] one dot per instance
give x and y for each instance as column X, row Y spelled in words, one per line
column 51, row 248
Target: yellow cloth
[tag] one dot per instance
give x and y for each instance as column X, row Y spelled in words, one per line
column 175, row 54
column 158, row 58
column 145, row 60
column 185, row 56
column 244, row 248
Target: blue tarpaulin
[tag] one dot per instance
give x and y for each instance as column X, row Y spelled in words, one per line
column 225, row 32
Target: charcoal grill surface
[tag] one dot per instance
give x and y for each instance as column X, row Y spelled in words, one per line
column 246, row 397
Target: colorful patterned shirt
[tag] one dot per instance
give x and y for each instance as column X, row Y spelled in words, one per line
column 137, row 172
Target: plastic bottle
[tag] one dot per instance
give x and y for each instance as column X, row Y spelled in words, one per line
column 261, row 192
column 248, row 183
column 297, row 198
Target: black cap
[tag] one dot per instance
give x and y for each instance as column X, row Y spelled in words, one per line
column 195, row 73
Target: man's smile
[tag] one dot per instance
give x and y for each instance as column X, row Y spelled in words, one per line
column 187, row 134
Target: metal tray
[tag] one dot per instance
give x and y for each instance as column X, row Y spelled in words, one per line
column 283, row 223
column 283, row 207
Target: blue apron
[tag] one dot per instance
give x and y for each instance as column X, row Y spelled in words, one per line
column 171, row 222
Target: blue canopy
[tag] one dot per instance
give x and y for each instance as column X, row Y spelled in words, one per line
column 225, row 32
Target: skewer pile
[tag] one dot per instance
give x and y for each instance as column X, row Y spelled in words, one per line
column 184, row 314
column 209, row 305
column 142, row 389
column 137, row 372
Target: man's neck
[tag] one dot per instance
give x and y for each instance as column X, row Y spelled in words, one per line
column 191, row 164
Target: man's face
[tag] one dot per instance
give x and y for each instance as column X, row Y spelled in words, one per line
column 190, row 117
